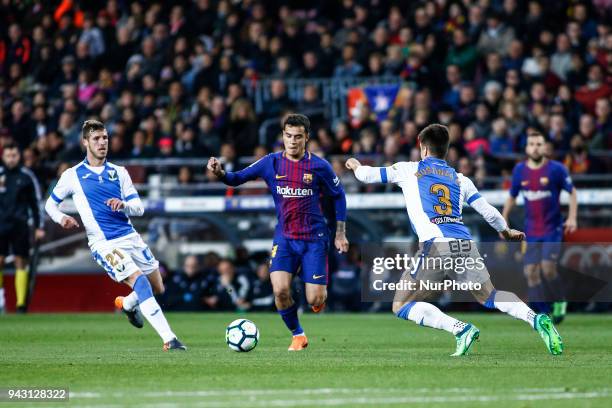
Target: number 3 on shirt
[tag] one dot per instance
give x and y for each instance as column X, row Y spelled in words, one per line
column 445, row 207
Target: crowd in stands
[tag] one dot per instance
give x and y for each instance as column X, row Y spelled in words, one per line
column 171, row 78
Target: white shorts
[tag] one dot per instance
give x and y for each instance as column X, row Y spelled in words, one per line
column 123, row 256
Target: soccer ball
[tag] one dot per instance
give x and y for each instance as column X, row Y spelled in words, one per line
column 242, row 335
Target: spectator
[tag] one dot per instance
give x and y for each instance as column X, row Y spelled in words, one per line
column 208, row 137
column 350, row 67
column 140, row 150
column 242, row 127
column 594, row 89
column 603, row 122
column 578, row 160
column 261, row 297
column 345, row 285
column 462, row 54
column 500, row 140
column 185, row 290
column 187, row 145
column 227, row 290
column 496, row 37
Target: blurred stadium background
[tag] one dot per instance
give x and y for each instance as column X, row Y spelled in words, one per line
column 178, row 81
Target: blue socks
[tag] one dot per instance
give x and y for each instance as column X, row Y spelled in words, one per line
column 291, row 320
column 555, row 289
column 403, row 312
column 537, row 299
column 143, row 289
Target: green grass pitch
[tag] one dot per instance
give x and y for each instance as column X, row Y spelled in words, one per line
column 353, row 360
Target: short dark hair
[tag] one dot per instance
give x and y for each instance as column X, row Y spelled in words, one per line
column 536, row 133
column 89, row 126
column 296, row 119
column 11, row 145
column 436, row 138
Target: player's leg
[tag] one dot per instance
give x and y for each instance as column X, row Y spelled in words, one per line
column 21, row 283
column 152, row 311
column 316, row 295
column 287, row 308
column 409, row 305
column 284, row 261
column 120, row 266
column 148, row 265
column 509, row 303
column 1, row 279
column 531, row 268
column 21, row 250
column 314, row 273
column 506, row 302
column 156, row 282
column 552, row 280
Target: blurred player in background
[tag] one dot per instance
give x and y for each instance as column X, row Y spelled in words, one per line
column 541, row 180
column 297, row 180
column 19, row 197
column 105, row 198
column 435, row 194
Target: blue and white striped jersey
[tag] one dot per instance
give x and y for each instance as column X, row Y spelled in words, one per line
column 90, row 188
column 435, row 194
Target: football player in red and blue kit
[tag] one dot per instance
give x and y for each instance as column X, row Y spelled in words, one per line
column 298, row 181
column 541, row 180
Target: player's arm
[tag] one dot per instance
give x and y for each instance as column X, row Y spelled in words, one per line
column 59, row 193
column 491, row 215
column 508, row 206
column 514, row 191
column 571, row 224
column 34, row 199
column 130, row 203
column 333, row 188
column 368, row 174
column 236, row 178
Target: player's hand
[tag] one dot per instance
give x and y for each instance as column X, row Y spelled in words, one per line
column 69, row 223
column 39, row 234
column 342, row 244
column 115, row 204
column 214, row 165
column 352, row 164
column 513, row 235
column 570, row 225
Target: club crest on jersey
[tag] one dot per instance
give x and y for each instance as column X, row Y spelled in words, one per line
column 307, row 179
column 112, row 175
column 544, row 180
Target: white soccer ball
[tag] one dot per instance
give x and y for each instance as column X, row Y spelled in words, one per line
column 242, row 335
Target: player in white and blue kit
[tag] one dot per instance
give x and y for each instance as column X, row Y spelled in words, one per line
column 105, row 198
column 435, row 194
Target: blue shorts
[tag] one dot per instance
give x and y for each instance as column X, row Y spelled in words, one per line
column 309, row 258
column 546, row 248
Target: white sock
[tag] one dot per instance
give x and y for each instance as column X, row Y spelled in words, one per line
column 509, row 303
column 153, row 313
column 1, row 298
column 130, row 301
column 426, row 314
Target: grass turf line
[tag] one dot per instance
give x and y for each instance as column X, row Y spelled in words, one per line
column 352, row 360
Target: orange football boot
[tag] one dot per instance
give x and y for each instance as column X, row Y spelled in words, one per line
column 299, row 342
column 318, row 309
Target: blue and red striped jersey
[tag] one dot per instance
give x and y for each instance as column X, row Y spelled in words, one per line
column 298, row 189
column 541, row 189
